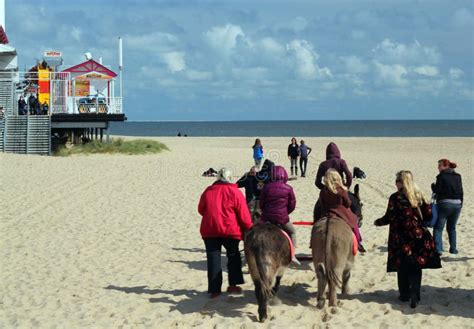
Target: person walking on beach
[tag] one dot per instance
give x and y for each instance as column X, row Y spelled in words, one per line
column 258, row 152
column 277, row 201
column 335, row 202
column 411, row 247
column 225, row 218
column 449, row 197
column 293, row 152
column 304, row 152
column 250, row 182
column 333, row 160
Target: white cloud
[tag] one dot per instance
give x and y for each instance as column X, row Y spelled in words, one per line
column 156, row 41
column 427, row 70
column 399, row 53
column 355, row 65
column 299, row 24
column 76, row 33
column 463, row 18
column 455, row 73
column 305, row 60
column 252, row 73
column 272, row 46
column 391, row 74
column 224, row 38
column 198, row 75
column 174, row 60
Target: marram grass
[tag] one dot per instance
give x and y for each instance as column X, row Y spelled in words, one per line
column 116, row 146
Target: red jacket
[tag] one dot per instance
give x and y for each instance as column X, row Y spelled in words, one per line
column 224, row 212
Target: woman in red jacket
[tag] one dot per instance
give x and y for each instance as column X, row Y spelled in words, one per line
column 225, row 217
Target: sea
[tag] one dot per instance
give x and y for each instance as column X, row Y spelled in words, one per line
column 372, row 128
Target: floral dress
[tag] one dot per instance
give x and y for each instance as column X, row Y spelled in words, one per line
column 409, row 242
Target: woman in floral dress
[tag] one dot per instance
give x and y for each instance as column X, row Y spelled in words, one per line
column 411, row 247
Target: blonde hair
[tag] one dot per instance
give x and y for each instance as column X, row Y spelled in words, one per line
column 332, row 180
column 225, row 175
column 410, row 189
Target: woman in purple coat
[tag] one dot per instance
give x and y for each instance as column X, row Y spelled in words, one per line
column 277, row 201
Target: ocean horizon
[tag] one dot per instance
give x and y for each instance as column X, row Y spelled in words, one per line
column 301, row 128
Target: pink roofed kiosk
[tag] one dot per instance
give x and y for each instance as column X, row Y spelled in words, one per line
column 91, row 89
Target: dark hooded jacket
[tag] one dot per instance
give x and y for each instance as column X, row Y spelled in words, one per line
column 448, row 186
column 333, row 160
column 277, row 199
column 250, row 183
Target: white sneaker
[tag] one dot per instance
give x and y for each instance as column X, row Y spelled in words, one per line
column 295, row 261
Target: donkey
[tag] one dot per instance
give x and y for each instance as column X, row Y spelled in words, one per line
column 268, row 255
column 332, row 249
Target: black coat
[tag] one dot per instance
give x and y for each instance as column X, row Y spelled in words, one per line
column 448, row 186
column 250, row 183
column 293, row 151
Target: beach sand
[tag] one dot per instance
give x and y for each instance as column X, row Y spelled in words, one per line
column 112, row 241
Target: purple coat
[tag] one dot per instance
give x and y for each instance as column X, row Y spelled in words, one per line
column 333, row 160
column 277, row 199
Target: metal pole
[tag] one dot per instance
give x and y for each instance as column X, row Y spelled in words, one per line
column 120, row 67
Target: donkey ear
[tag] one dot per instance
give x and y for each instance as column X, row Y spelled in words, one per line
column 356, row 191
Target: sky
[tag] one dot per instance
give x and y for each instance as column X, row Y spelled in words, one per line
column 267, row 59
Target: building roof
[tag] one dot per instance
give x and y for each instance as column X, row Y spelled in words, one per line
column 3, row 36
column 90, row 66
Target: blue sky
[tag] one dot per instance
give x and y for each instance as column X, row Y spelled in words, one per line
column 257, row 60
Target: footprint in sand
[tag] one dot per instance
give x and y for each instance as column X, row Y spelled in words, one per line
column 326, row 317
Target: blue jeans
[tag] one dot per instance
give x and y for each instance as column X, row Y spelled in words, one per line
column 448, row 213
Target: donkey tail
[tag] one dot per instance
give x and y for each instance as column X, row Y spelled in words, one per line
column 264, row 277
column 331, row 274
column 320, row 271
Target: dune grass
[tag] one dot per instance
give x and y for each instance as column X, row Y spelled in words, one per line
column 116, row 146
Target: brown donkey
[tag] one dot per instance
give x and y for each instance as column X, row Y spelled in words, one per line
column 331, row 242
column 268, row 255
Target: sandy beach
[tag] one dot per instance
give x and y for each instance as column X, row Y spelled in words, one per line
column 112, row 241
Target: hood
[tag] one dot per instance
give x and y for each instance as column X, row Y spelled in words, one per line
column 279, row 174
column 332, row 151
column 448, row 171
column 264, row 173
column 268, row 165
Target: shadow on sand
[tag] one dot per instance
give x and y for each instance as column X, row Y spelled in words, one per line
column 200, row 250
column 434, row 300
column 451, row 259
column 193, row 301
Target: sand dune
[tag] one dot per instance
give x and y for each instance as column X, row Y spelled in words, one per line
column 113, row 241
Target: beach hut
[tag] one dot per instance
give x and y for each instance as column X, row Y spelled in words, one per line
column 91, row 89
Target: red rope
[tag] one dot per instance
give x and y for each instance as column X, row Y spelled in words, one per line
column 303, row 223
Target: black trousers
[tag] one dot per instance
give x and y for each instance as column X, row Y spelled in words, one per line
column 303, row 164
column 409, row 281
column 214, row 267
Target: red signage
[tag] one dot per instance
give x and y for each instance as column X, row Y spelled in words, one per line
column 52, row 53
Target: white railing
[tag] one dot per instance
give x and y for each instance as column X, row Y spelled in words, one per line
column 16, row 83
column 87, row 104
